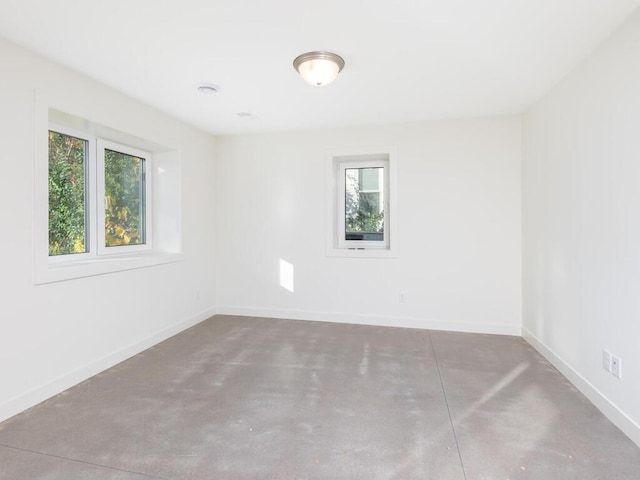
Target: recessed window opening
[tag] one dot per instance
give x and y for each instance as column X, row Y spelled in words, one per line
column 106, row 200
column 362, row 203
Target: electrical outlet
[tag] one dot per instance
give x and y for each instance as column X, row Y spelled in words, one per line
column 606, row 360
column 616, row 366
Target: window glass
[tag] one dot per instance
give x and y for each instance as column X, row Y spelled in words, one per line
column 364, row 204
column 124, row 178
column 67, row 194
column 369, row 178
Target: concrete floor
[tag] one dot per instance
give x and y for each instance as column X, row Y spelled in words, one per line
column 247, row 398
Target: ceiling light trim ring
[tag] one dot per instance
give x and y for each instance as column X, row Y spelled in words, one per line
column 319, row 55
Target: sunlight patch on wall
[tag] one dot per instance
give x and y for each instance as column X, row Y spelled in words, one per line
column 286, row 275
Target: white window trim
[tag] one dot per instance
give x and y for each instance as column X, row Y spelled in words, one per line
column 50, row 113
column 100, row 192
column 335, row 205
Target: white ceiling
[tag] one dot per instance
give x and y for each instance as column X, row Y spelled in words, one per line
column 407, row 60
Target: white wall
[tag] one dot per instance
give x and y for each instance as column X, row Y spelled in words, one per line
column 581, row 254
column 459, row 228
column 55, row 335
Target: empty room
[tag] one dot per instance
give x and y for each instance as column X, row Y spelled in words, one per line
column 339, row 240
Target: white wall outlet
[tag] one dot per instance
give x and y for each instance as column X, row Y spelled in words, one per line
column 606, row 360
column 616, row 366
column 402, row 297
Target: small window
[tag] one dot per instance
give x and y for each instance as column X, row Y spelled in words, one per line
column 362, row 214
column 363, row 202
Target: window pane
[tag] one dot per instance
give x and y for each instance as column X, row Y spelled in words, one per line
column 67, row 194
column 124, row 199
column 369, row 178
column 364, row 204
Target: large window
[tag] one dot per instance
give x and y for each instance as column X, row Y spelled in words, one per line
column 94, row 211
column 99, row 196
column 363, row 204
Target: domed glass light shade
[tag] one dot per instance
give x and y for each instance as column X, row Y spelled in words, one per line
column 318, row 68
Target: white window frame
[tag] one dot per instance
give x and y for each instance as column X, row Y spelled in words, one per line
column 342, row 241
column 95, row 198
column 73, row 115
column 102, row 249
column 338, row 162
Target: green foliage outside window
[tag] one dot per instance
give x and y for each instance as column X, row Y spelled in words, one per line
column 67, row 209
column 124, row 192
column 124, row 212
column 362, row 209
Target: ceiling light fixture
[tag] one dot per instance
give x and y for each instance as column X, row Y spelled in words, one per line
column 318, row 68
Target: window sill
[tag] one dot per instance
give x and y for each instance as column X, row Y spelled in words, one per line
column 61, row 271
column 349, row 252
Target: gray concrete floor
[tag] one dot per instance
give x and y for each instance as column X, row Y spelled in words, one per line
column 248, row 398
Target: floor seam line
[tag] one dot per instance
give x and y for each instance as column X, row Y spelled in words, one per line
column 84, row 462
column 446, row 403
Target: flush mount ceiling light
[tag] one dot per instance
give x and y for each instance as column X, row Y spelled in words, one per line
column 318, row 68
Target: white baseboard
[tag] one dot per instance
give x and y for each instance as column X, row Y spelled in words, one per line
column 41, row 393
column 608, row 408
column 377, row 320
